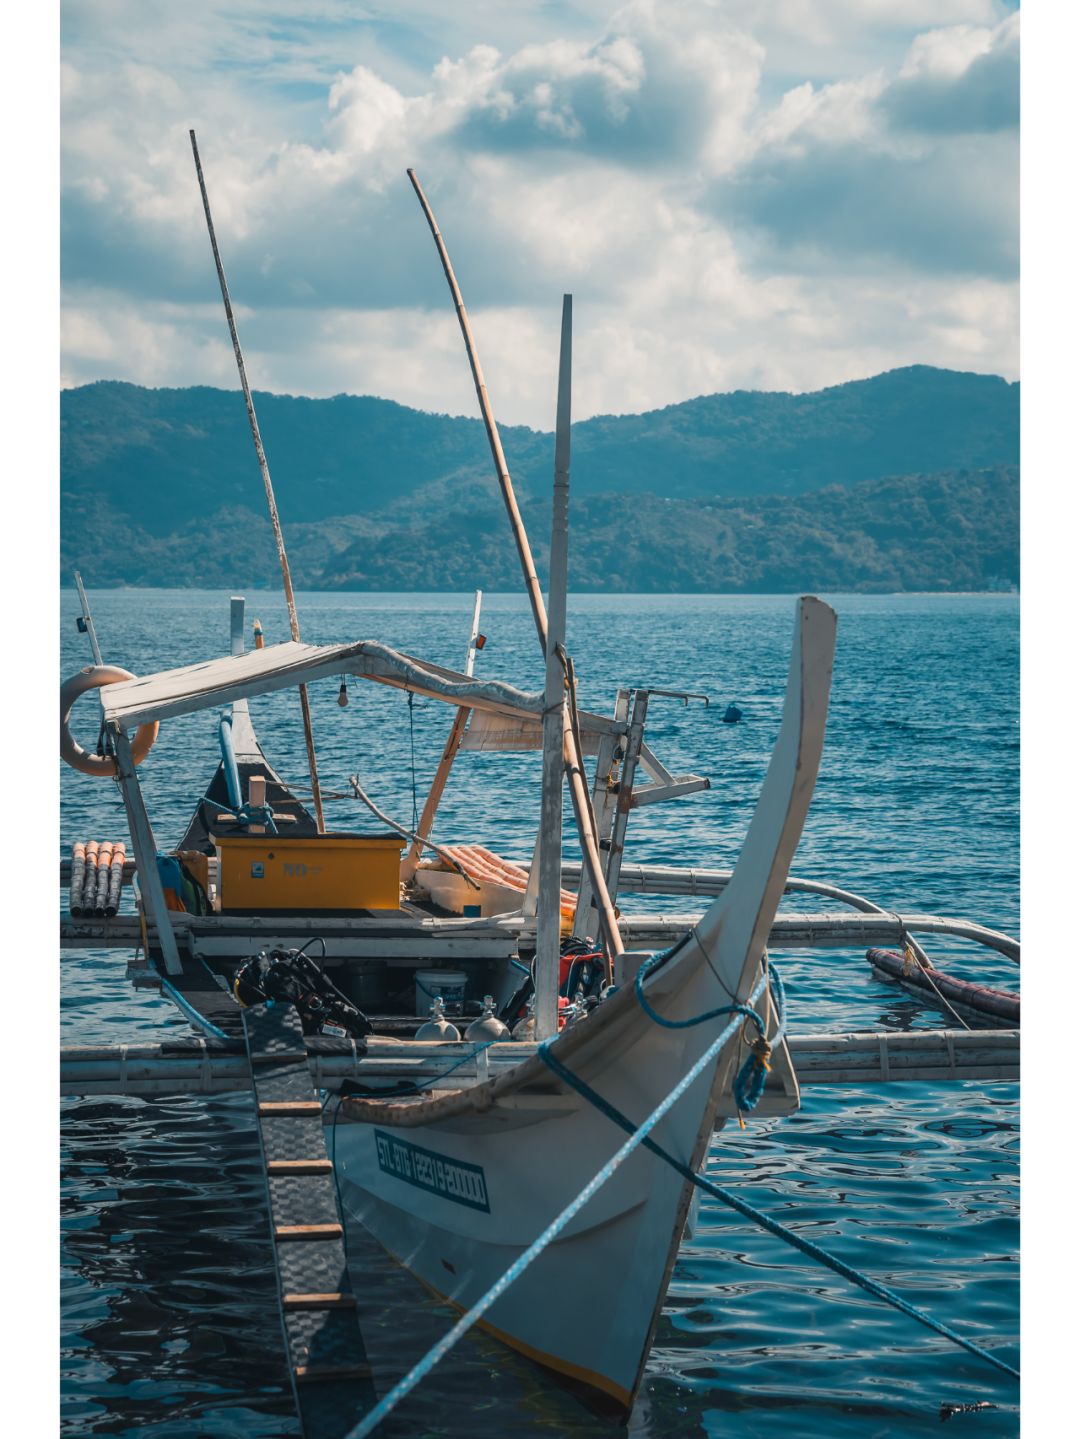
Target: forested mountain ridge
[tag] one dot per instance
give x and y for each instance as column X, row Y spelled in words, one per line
column 904, row 481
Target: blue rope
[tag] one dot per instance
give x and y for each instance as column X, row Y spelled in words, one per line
column 639, row 989
column 750, row 1081
column 814, row 1251
column 427, row 1083
column 638, row 1136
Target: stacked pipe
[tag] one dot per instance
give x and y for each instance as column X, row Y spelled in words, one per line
column 97, row 874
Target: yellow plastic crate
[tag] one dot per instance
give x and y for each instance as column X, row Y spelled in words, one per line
column 323, row 873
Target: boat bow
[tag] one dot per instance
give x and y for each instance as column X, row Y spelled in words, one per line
column 458, row 1184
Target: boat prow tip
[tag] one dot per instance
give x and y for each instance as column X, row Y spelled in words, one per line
column 744, row 911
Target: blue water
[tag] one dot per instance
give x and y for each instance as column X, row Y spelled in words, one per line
column 169, row 1323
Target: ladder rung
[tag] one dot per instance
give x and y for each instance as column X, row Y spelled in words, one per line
column 290, row 1108
column 284, row 1232
column 304, row 1373
column 319, row 1301
column 299, row 1166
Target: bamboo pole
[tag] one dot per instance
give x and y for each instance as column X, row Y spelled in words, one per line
column 264, row 470
column 104, row 866
column 89, row 889
column 78, row 872
column 116, row 879
column 528, row 568
column 202, row 1066
column 572, row 758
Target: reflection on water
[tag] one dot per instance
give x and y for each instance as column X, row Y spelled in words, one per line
column 169, row 1316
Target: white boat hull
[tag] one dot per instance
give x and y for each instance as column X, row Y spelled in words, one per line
column 459, row 1185
column 459, row 1202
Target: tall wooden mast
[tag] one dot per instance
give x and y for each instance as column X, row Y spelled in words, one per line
column 572, row 758
column 264, row 470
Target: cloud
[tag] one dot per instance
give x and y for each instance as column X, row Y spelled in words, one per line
column 920, row 168
column 663, row 83
column 961, row 80
column 715, row 229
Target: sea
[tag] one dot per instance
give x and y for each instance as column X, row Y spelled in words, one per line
column 169, row 1324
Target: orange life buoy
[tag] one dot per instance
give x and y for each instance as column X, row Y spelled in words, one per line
column 94, row 677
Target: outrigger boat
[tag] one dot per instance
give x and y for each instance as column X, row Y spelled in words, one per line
column 458, row 1183
column 487, row 1166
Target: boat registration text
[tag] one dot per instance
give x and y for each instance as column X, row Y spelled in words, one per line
column 449, row 1178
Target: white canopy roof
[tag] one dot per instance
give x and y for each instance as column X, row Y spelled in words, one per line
column 219, row 682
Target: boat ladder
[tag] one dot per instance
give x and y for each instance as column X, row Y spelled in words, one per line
column 328, row 1368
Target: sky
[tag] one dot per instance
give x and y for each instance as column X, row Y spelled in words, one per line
column 776, row 194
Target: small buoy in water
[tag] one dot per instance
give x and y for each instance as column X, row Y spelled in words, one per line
column 438, row 1026
column 732, row 715
column 343, row 695
column 489, row 1027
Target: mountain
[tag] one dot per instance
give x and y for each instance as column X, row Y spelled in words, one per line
column 904, row 481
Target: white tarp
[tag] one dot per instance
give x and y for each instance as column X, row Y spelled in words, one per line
column 490, row 731
column 214, row 683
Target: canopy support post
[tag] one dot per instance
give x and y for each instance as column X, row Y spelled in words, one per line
column 549, row 916
column 236, row 625
column 145, row 848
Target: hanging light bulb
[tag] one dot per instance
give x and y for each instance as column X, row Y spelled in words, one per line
column 343, row 695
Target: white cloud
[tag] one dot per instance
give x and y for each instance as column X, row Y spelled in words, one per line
column 715, row 233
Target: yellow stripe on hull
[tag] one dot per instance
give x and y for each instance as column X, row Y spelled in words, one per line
column 539, row 1356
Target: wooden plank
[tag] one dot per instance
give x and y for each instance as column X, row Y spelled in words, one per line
column 304, row 1233
column 290, row 1108
column 308, row 1373
column 281, row 1167
column 318, row 1301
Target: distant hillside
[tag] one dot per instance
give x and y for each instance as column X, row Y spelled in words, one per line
column 161, row 487
column 957, row 530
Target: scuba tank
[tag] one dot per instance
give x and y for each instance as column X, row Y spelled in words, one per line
column 438, row 1026
column 488, row 1028
column 526, row 1028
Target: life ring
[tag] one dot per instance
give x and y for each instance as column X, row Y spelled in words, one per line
column 94, row 677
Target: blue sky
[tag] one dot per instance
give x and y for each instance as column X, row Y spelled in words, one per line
column 773, row 194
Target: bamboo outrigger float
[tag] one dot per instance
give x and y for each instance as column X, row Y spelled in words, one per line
column 479, row 1163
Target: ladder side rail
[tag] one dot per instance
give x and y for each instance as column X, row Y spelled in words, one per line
column 625, row 797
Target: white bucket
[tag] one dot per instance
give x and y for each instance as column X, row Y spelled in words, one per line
column 447, row 983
